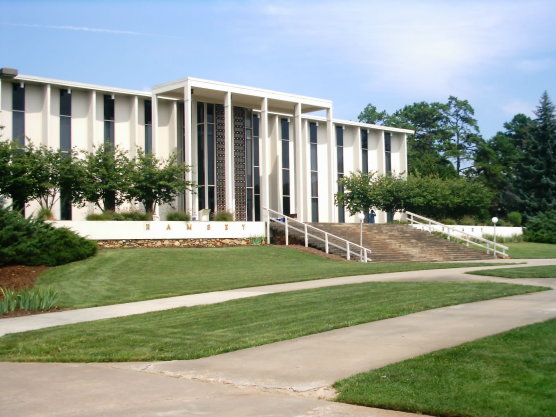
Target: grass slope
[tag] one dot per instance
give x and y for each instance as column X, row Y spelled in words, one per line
column 531, row 250
column 545, row 271
column 188, row 333
column 125, row 275
column 510, row 374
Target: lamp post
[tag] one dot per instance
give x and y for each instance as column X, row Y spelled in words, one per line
column 494, row 221
column 361, row 217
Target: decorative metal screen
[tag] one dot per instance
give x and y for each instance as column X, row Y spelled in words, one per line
column 220, row 159
column 240, row 115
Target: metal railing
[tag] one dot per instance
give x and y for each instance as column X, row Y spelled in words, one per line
column 351, row 250
column 469, row 239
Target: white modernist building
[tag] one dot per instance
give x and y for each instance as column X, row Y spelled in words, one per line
column 248, row 147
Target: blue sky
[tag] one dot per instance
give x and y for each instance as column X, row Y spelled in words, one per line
column 499, row 55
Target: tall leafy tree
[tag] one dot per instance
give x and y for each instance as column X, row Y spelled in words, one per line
column 464, row 138
column 371, row 115
column 155, row 181
column 537, row 170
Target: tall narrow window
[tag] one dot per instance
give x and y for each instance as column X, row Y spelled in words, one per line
column 285, row 139
column 364, row 151
column 65, row 147
column 148, row 126
column 109, row 142
column 206, row 156
column 387, row 152
column 313, row 139
column 109, row 121
column 18, row 113
column 256, row 170
column 340, row 160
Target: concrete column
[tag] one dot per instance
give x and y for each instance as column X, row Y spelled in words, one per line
column 229, row 147
column 299, row 163
column 265, row 162
column 332, row 167
column 46, row 117
column 92, row 118
column 188, row 141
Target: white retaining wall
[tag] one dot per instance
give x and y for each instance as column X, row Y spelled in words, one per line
column 479, row 231
column 122, row 230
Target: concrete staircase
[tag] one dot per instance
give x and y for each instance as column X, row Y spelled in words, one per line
column 388, row 242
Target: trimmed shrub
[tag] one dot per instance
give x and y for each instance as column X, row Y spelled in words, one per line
column 178, row 216
column 34, row 242
column 468, row 221
column 132, row 215
column 541, row 228
column 515, row 218
column 100, row 216
column 223, row 216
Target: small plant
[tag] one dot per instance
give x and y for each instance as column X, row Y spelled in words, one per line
column 468, row 221
column 258, row 240
column 505, row 239
column 100, row 216
column 515, row 218
column 9, row 301
column 45, row 214
column 178, row 216
column 132, row 215
column 223, row 216
column 448, row 221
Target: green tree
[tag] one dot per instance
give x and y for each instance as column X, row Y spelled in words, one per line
column 21, row 173
column 106, row 178
column 155, row 181
column 464, row 138
column 537, row 168
column 371, row 115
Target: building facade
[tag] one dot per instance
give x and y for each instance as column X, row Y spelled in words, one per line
column 249, row 148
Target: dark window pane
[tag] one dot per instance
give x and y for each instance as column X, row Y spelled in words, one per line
column 18, row 127
column 364, row 139
column 314, row 184
column 249, row 162
column 257, row 208
column 255, row 125
column 312, row 132
column 340, row 153
column 148, row 112
column 314, row 157
column 65, row 103
column 200, row 155
column 256, row 151
column 285, row 154
column 314, row 209
column 148, row 138
column 248, row 120
column 286, row 205
column 387, row 142
column 285, row 128
column 211, row 155
column 365, row 161
column 201, row 197
column 339, row 136
column 249, row 205
column 210, row 113
column 388, row 162
column 109, row 133
column 65, row 133
column 341, row 215
column 108, row 107
column 285, row 182
column 18, row 97
column 200, row 112
column 211, row 199
column 257, row 181
column 181, row 132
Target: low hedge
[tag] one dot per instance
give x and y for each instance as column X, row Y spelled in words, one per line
column 34, row 242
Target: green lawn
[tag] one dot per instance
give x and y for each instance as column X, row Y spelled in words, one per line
column 545, row 271
column 530, row 250
column 124, row 275
column 506, row 375
column 189, row 333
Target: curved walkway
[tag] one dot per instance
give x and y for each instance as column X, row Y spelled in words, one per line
column 41, row 321
column 287, row 378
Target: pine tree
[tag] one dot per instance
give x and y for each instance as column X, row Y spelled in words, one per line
column 537, row 173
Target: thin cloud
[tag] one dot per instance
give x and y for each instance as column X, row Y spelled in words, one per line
column 81, row 29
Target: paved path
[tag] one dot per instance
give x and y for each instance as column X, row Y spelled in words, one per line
column 40, row 321
column 276, row 380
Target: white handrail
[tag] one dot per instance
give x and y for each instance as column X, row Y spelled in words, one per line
column 496, row 248
column 363, row 253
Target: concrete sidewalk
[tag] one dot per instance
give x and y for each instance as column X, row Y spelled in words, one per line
column 41, row 321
